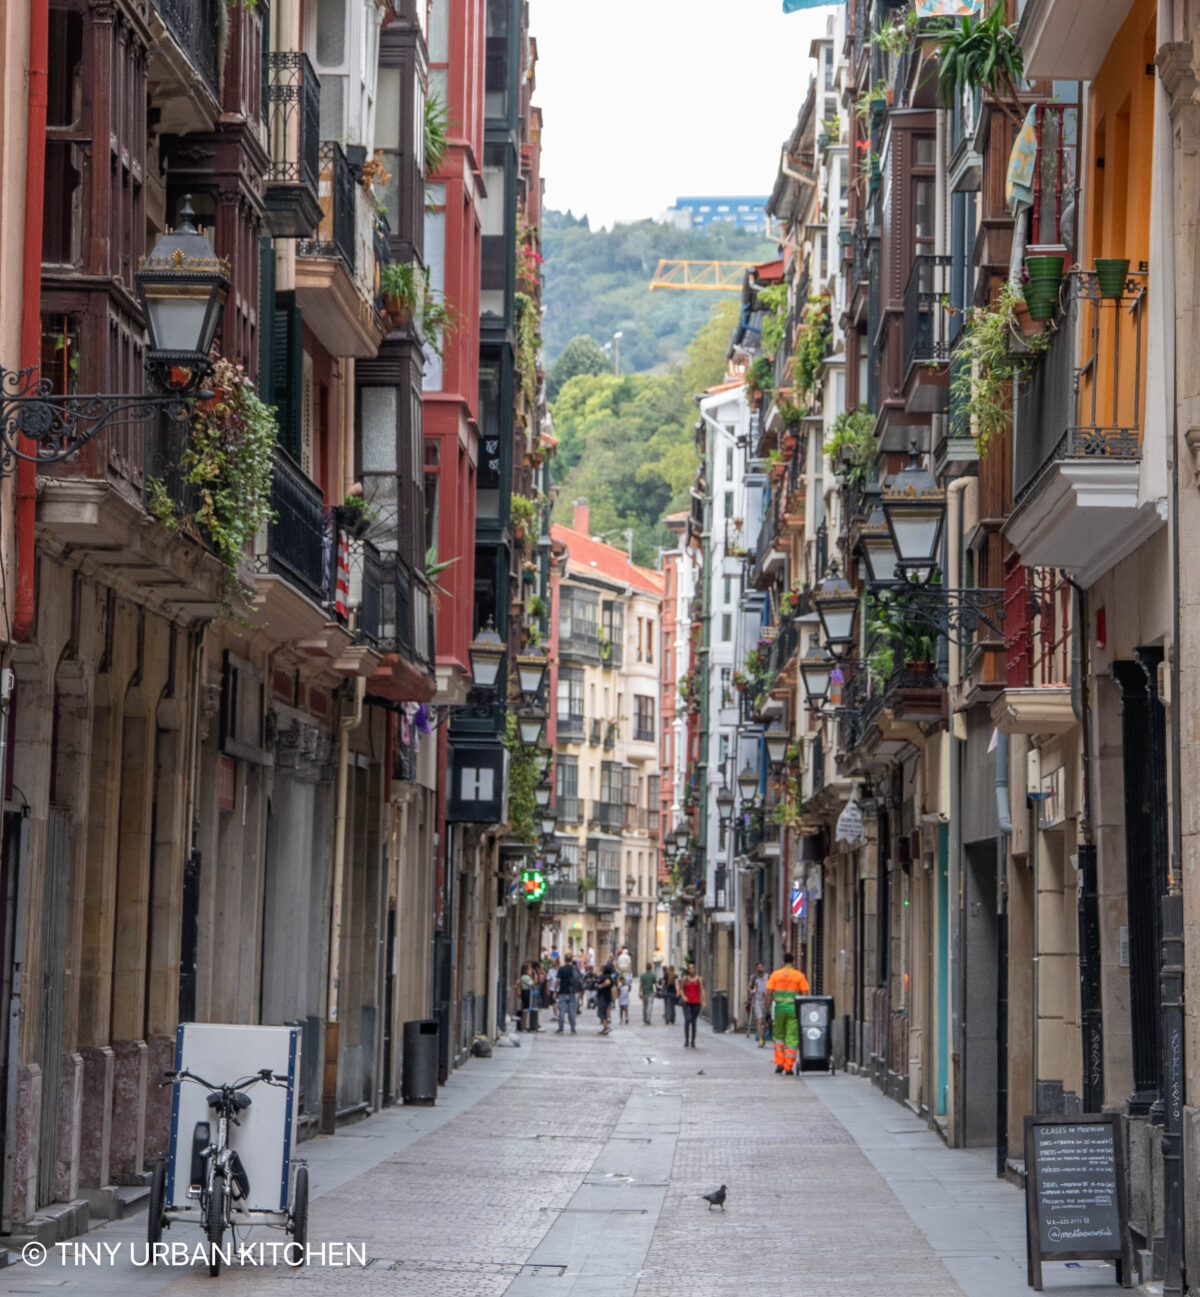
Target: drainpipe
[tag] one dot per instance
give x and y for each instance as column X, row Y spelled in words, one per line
column 345, row 725
column 31, row 300
column 1004, row 824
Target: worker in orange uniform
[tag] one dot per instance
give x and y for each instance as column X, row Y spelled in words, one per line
column 783, row 986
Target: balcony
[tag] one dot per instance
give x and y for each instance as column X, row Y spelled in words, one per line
column 581, row 645
column 569, row 810
column 562, row 897
column 570, row 727
column 644, row 733
column 335, row 284
column 296, row 535
column 366, row 590
column 595, row 732
column 291, row 106
column 1067, row 40
column 183, row 72
column 604, row 898
column 609, row 816
column 1077, row 443
column 927, row 335
column 610, row 736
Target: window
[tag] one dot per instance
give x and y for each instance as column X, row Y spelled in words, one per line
column 728, row 504
column 577, row 623
column 612, row 783
column 644, row 718
column 726, row 627
column 729, row 461
column 568, row 860
column 722, row 749
column 652, row 796
column 570, row 702
column 728, row 599
column 566, row 790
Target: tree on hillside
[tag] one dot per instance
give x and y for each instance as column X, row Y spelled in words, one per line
column 582, row 355
column 625, row 444
column 598, row 281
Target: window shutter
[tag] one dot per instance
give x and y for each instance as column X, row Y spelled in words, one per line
column 266, row 316
column 287, row 373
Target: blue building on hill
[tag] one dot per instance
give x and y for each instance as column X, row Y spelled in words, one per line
column 746, row 212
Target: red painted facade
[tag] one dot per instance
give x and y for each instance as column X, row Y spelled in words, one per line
column 451, row 427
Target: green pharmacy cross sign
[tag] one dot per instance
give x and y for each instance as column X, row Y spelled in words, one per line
column 533, row 885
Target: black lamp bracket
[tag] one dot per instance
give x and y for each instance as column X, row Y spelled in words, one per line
column 59, row 425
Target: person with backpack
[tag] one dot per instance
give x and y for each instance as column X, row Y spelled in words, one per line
column 570, row 983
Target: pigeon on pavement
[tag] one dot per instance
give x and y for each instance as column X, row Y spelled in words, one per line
column 715, row 1199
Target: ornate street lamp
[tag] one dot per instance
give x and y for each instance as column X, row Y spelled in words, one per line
column 878, row 548
column 543, row 762
column 548, row 824
column 816, row 667
column 837, row 607
column 776, row 739
column 183, row 286
column 542, row 795
column 531, row 726
column 486, row 652
column 683, row 832
column 550, row 854
column 914, row 506
column 531, row 674
column 725, row 802
column 748, row 783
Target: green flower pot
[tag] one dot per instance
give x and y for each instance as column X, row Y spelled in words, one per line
column 1040, row 307
column 1111, row 273
column 1044, row 270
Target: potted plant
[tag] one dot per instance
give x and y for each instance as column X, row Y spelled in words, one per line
column 536, row 606
column 1111, row 273
column 1043, row 278
column 524, row 515
column 354, row 516
column 400, row 287
column 739, row 681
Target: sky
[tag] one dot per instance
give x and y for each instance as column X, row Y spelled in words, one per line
column 648, row 100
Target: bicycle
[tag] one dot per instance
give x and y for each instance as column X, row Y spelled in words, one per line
column 217, row 1177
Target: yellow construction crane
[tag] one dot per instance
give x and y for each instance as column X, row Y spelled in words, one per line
column 701, row 276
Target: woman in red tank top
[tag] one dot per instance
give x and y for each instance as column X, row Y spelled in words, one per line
column 694, row 999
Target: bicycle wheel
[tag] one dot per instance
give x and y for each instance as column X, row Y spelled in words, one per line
column 214, row 1226
column 158, row 1201
column 299, row 1228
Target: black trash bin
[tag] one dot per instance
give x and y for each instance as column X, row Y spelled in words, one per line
column 720, row 1012
column 814, row 1016
column 420, row 1078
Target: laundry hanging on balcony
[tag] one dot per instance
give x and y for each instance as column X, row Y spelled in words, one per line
column 949, row 8
column 1022, row 166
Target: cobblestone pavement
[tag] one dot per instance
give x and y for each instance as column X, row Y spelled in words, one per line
column 574, row 1168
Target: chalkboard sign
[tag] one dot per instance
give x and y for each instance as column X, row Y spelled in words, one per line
column 1075, row 1193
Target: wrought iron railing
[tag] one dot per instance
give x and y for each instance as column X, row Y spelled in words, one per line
column 195, row 25
column 366, row 571
column 926, row 319
column 1098, row 398
column 297, row 543
column 292, row 108
column 571, row 726
column 644, row 733
column 336, row 235
column 608, row 815
column 569, row 810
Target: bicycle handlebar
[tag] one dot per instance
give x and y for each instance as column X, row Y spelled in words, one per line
column 264, row 1074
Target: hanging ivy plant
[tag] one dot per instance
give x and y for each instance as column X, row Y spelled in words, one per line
column 989, row 365
column 851, row 444
column 523, row 778
column 774, row 302
column 529, row 344
column 437, row 123
column 228, row 458
column 811, row 343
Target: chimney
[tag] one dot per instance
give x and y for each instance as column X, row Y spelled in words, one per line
column 582, row 517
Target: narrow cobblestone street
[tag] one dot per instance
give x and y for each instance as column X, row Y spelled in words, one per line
column 575, row 1167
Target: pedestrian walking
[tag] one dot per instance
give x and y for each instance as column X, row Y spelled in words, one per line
column 535, row 999
column 589, row 988
column 670, row 995
column 783, row 986
column 623, row 1001
column 605, row 986
column 647, row 987
column 525, row 989
column 570, row 983
column 758, row 1003
column 694, row 999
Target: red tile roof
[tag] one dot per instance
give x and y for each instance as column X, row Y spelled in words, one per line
column 586, row 554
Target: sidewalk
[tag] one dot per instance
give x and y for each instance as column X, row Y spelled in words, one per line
column 575, row 1166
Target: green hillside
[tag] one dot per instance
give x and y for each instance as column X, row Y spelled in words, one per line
column 597, row 281
column 626, row 444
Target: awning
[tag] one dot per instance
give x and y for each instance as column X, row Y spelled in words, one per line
column 791, row 6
